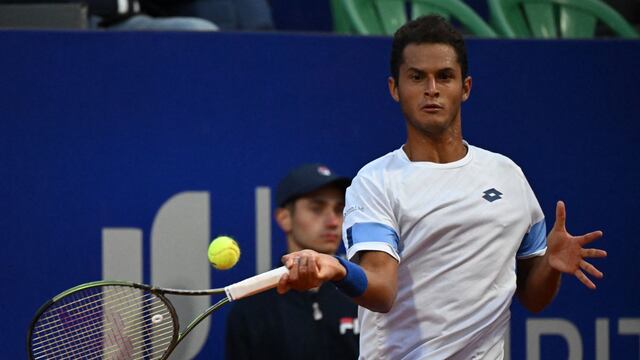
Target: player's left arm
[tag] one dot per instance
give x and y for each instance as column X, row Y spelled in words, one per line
column 539, row 277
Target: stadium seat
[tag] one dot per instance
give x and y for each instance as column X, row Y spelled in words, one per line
column 546, row 19
column 384, row 17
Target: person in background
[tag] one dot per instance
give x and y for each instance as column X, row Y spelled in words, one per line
column 193, row 15
column 228, row 15
column 115, row 15
column 318, row 324
column 134, row 15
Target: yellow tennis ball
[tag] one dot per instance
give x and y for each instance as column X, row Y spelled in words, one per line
column 223, row 253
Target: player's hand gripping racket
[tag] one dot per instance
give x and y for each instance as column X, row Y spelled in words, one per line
column 122, row 320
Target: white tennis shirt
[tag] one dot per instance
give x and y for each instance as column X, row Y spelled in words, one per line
column 456, row 230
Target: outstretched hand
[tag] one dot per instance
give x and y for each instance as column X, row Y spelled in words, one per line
column 309, row 269
column 566, row 252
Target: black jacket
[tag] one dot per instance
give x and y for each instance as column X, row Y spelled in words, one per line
column 311, row 326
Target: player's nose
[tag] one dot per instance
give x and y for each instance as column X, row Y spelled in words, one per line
column 430, row 88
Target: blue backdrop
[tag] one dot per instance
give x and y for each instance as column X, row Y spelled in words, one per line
column 99, row 130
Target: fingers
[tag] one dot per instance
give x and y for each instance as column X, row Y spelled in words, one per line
column 587, row 238
column 584, row 279
column 593, row 253
column 590, row 269
column 561, row 216
column 312, row 269
column 287, row 260
column 283, row 284
column 293, row 265
column 304, row 272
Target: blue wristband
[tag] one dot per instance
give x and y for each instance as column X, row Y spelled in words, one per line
column 355, row 282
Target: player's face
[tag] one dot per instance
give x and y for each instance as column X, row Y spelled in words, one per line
column 315, row 221
column 430, row 88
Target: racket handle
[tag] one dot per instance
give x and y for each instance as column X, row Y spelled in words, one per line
column 255, row 284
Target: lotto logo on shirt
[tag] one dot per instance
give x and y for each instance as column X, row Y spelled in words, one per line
column 349, row 324
column 352, row 209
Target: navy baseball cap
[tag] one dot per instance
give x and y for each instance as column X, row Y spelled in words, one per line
column 305, row 179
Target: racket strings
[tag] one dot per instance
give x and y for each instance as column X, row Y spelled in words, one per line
column 85, row 336
column 110, row 338
column 108, row 322
column 87, row 319
column 161, row 347
column 89, row 327
column 98, row 297
column 106, row 353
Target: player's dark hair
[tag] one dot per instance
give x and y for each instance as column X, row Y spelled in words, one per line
column 430, row 29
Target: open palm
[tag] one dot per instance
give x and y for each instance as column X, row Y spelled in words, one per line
column 566, row 252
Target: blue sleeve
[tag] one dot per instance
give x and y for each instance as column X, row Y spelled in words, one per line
column 372, row 232
column 534, row 242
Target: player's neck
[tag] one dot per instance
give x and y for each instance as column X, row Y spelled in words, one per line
column 441, row 150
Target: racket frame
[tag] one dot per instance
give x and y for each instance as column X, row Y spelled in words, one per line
column 236, row 291
column 177, row 335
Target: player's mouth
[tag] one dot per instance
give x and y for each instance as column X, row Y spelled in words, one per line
column 431, row 108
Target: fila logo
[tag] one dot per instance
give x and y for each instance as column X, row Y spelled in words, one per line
column 347, row 323
column 492, row 195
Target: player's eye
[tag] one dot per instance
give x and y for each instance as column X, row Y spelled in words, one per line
column 445, row 75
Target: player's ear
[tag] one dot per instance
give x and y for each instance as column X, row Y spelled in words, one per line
column 466, row 88
column 393, row 88
column 283, row 218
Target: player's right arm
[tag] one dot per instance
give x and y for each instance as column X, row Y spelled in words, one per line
column 309, row 269
column 370, row 234
column 382, row 275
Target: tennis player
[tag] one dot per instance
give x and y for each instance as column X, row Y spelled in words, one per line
column 439, row 232
column 319, row 324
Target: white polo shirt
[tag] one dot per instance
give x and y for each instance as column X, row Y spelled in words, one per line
column 456, row 230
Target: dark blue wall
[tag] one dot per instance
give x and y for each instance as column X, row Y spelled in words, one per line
column 99, row 129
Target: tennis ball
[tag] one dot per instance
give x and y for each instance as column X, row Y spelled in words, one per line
column 223, row 253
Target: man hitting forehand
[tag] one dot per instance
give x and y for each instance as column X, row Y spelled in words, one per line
column 439, row 232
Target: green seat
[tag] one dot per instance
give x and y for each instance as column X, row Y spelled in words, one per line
column 569, row 19
column 384, row 17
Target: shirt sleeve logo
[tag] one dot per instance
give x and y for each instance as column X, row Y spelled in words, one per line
column 352, row 209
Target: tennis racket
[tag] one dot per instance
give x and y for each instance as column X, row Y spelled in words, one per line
column 121, row 320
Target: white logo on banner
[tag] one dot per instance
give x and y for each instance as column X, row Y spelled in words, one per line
column 179, row 238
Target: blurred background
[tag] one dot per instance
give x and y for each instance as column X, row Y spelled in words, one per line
column 133, row 132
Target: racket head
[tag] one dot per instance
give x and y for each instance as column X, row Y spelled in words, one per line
column 104, row 320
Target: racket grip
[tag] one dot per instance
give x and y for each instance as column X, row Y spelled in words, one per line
column 255, row 284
